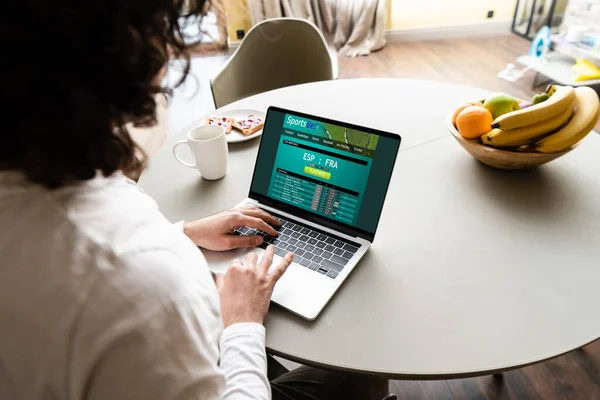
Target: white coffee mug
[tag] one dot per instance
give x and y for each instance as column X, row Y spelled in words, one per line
column 209, row 148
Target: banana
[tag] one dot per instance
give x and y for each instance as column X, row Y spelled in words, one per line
column 582, row 133
column 562, row 99
column 526, row 148
column 587, row 112
column 550, row 89
column 527, row 134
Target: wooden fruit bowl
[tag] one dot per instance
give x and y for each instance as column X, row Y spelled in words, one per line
column 503, row 159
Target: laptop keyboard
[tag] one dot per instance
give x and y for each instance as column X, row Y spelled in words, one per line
column 312, row 249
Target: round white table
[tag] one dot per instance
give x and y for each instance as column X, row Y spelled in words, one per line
column 472, row 271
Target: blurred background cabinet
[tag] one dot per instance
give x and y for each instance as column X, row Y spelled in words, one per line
column 531, row 15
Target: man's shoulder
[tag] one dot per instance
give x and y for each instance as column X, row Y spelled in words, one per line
column 147, row 262
column 105, row 223
column 126, row 224
column 117, row 215
column 102, row 248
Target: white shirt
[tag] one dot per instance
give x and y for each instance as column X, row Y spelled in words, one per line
column 102, row 298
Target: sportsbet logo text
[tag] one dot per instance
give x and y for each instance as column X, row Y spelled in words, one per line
column 301, row 122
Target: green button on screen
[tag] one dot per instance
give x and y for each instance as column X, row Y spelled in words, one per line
column 317, row 172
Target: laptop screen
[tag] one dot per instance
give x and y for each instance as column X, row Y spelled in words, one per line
column 330, row 170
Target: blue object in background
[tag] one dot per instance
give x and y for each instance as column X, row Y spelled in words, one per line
column 589, row 41
column 541, row 43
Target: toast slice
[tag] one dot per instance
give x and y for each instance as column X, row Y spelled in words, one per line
column 249, row 125
column 225, row 122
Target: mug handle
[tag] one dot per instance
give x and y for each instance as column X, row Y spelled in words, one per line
column 187, row 164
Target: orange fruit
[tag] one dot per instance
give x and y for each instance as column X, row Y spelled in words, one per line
column 474, row 121
column 459, row 109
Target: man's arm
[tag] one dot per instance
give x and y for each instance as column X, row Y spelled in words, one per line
column 153, row 332
column 245, row 291
column 244, row 362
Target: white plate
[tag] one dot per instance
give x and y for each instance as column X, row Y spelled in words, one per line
column 236, row 136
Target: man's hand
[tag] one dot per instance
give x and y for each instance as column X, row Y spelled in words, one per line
column 216, row 232
column 246, row 289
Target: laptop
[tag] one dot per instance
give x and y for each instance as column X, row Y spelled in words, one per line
column 326, row 182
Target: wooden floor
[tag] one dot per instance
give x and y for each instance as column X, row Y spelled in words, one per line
column 476, row 62
column 473, row 62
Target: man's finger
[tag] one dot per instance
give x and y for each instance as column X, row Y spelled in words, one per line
column 262, row 214
column 236, row 242
column 257, row 223
column 251, row 259
column 267, row 260
column 219, row 280
column 279, row 270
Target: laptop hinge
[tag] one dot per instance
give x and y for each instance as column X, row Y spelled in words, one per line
column 346, row 231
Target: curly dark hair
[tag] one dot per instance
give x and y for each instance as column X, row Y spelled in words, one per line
column 76, row 72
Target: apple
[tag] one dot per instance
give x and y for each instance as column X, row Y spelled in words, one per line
column 540, row 98
column 501, row 103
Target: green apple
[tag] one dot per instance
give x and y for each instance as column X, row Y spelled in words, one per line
column 540, row 98
column 501, row 103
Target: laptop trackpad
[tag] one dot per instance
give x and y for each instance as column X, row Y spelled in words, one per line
column 303, row 291
column 300, row 290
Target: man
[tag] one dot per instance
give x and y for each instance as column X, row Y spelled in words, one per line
column 100, row 296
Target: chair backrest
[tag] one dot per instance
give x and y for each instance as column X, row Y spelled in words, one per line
column 275, row 53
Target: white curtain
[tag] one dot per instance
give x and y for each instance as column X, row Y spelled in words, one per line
column 354, row 27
